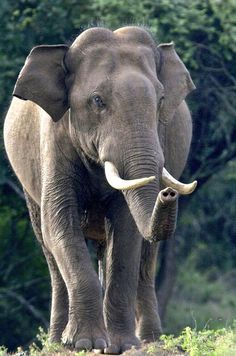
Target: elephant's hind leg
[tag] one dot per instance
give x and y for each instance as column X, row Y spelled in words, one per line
column 148, row 321
column 59, row 306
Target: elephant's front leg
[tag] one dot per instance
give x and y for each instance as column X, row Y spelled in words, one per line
column 122, row 270
column 148, row 320
column 63, row 237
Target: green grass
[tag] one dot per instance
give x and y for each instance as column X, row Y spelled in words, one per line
column 192, row 342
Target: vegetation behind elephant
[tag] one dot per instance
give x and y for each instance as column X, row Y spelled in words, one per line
column 88, row 133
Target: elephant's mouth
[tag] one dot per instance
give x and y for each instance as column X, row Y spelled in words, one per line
column 114, row 179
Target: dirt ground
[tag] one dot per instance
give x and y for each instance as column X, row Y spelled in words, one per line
column 152, row 349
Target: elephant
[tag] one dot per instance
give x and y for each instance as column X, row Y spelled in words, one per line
column 98, row 133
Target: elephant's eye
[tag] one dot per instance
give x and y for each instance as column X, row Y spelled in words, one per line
column 97, row 100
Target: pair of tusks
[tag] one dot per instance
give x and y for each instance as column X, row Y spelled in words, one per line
column 113, row 178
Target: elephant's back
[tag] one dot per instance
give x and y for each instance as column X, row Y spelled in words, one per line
column 22, row 143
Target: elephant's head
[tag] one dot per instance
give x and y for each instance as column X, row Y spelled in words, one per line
column 119, row 87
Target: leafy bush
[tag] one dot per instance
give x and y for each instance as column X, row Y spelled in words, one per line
column 205, row 342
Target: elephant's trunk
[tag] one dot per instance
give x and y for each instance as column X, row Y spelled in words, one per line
column 154, row 213
column 163, row 220
column 154, row 217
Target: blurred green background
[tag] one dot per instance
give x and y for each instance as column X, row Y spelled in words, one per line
column 197, row 271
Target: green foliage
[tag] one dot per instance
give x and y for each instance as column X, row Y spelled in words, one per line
column 208, row 223
column 43, row 346
column 152, row 349
column 81, row 353
column 201, row 297
column 3, row 351
column 24, row 284
column 205, row 342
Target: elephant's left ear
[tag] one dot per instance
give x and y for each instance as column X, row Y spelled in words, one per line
column 42, row 80
column 175, row 78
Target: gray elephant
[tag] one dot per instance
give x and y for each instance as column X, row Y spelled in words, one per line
column 95, row 132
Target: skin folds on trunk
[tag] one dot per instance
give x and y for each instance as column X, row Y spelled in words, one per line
column 155, row 221
column 164, row 216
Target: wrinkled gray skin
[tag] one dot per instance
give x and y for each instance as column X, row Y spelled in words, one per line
column 126, row 100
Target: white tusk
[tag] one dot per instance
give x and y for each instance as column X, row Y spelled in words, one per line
column 181, row 188
column 117, row 182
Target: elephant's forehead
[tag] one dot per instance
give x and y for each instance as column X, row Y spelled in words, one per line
column 127, row 45
column 129, row 34
column 99, row 48
column 110, row 59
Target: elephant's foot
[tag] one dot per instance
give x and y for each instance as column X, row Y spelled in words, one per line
column 88, row 337
column 149, row 330
column 121, row 343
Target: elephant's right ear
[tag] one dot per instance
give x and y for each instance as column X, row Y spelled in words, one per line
column 175, row 78
column 42, row 80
